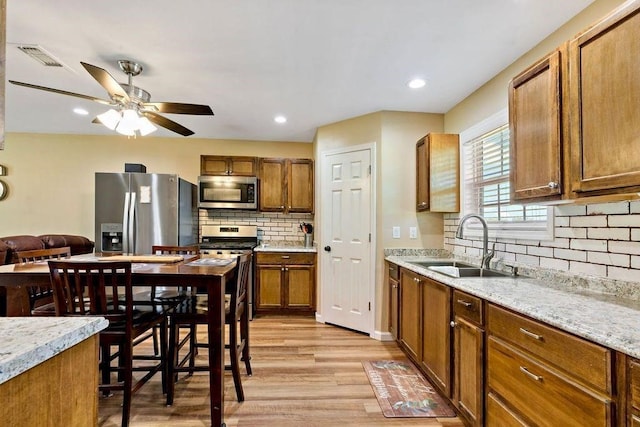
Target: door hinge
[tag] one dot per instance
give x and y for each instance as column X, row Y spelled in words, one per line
column 369, row 170
column 369, row 237
column 369, row 305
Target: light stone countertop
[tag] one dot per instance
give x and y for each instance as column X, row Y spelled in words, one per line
column 608, row 320
column 28, row 341
column 284, row 247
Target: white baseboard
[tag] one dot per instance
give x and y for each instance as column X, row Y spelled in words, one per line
column 382, row 336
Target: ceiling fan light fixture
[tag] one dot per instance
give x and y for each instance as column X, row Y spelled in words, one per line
column 110, row 118
column 129, row 123
column 145, row 127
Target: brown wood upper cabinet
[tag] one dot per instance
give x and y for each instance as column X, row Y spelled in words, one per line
column 438, row 173
column 535, row 118
column 605, row 109
column 228, row 165
column 286, row 185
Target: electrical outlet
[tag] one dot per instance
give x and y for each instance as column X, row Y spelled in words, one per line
column 395, row 231
column 413, row 233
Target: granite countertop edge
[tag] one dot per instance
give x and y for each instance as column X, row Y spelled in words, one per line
column 603, row 319
column 28, row 341
column 285, row 248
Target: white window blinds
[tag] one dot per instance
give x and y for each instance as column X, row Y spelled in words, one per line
column 487, row 189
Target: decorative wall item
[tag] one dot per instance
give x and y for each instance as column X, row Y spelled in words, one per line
column 4, row 188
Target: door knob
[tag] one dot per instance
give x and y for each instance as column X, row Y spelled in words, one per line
column 327, row 248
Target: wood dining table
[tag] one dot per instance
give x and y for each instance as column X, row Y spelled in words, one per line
column 191, row 270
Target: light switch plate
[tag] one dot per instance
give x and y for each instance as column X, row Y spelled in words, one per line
column 413, row 233
column 395, row 231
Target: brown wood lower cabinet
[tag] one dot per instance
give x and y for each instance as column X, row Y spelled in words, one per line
column 536, row 372
column 393, row 291
column 410, row 330
column 285, row 282
column 436, row 334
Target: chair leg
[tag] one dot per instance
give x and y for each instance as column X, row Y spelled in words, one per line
column 105, row 365
column 172, row 360
column 193, row 347
column 127, row 349
column 163, row 354
column 235, row 359
column 244, row 340
column 154, row 336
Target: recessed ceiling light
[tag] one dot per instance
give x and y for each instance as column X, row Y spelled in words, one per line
column 280, row 119
column 80, row 111
column 416, row 83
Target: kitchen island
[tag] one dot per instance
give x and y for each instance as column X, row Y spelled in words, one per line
column 49, row 370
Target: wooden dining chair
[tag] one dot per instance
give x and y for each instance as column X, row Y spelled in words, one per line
column 104, row 289
column 41, row 297
column 193, row 311
column 167, row 297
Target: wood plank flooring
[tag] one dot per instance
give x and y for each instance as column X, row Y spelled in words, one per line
column 304, row 374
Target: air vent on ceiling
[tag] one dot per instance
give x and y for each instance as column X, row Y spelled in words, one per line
column 40, row 55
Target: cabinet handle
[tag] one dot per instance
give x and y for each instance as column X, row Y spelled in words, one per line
column 552, row 184
column 286, row 256
column 452, row 324
column 423, row 203
column 531, row 334
column 281, row 268
column 465, row 303
column 282, row 207
column 529, row 374
column 415, row 279
column 394, row 286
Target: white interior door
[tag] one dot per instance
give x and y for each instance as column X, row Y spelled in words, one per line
column 347, row 277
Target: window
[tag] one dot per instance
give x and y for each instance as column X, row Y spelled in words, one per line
column 487, row 187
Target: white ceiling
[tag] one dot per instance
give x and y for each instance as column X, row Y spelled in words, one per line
column 314, row 61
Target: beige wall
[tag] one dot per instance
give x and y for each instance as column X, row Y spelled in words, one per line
column 51, row 177
column 394, row 135
column 492, row 96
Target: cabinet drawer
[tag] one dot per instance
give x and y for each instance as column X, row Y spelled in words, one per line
column 285, row 258
column 499, row 415
column 541, row 394
column 394, row 271
column 589, row 362
column 468, row 307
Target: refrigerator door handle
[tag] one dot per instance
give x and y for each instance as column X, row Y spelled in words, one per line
column 125, row 223
column 132, row 225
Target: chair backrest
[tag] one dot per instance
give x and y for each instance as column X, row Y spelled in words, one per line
column 239, row 291
column 40, row 293
column 175, row 250
column 25, row 257
column 91, row 288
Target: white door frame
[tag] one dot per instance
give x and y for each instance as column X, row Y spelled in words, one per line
column 322, row 258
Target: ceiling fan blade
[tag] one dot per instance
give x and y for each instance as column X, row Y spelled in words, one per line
column 167, row 124
column 179, row 108
column 107, row 81
column 62, row 92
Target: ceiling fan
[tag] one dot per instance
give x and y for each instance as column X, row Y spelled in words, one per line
column 131, row 110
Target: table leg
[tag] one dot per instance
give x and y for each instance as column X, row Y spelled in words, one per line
column 18, row 301
column 216, row 351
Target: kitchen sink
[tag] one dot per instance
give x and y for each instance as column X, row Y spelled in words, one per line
column 469, row 271
column 441, row 263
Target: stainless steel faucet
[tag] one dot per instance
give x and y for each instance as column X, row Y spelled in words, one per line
column 486, row 253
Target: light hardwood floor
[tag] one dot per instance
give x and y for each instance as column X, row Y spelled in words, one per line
column 304, row 374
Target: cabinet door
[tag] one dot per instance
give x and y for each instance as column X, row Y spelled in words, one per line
column 468, row 350
column 436, row 333
column 300, row 186
column 242, row 166
column 214, row 165
column 422, row 175
column 536, row 131
column 273, row 185
column 393, row 292
column 269, row 286
column 444, row 172
column 410, row 314
column 300, row 287
column 604, row 101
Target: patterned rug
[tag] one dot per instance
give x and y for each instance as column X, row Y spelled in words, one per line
column 403, row 392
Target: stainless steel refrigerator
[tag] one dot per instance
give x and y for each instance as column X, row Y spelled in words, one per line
column 135, row 211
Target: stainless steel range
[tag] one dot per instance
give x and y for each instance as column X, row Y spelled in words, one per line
column 217, row 240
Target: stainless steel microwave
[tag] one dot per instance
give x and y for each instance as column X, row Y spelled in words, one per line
column 228, row 192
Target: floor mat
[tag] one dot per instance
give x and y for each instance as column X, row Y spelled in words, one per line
column 402, row 391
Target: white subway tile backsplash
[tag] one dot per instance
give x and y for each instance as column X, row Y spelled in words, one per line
column 561, row 221
column 626, row 274
column 586, row 268
column 528, row 259
column 571, row 233
column 570, row 210
column 589, row 245
column 555, row 264
column 588, row 221
column 540, row 251
column 635, row 234
column 632, row 248
column 558, row 243
column 608, row 208
column 635, row 261
column 606, row 258
column 608, row 233
column 518, row 249
column 624, row 221
column 571, row 255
